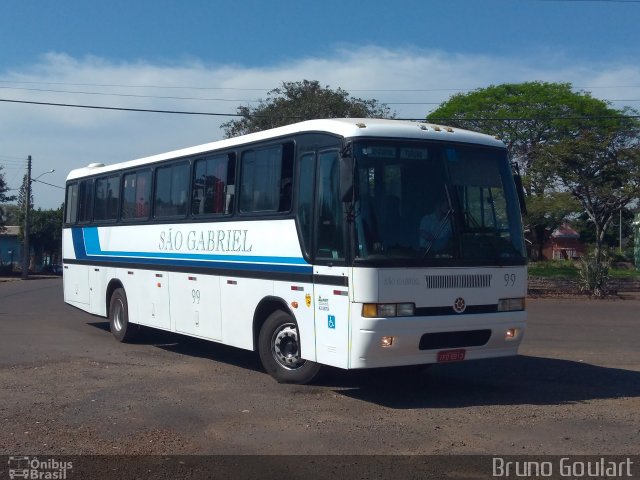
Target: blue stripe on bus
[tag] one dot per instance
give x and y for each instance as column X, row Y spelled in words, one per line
column 78, row 242
column 187, row 264
column 86, row 244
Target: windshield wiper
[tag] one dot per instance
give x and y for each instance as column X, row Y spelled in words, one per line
column 442, row 224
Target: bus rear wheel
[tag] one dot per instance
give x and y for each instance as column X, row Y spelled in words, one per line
column 119, row 317
column 279, row 349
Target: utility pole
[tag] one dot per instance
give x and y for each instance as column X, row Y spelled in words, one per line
column 26, row 253
column 620, row 233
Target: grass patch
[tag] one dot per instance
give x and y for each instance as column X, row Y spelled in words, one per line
column 569, row 270
column 554, row 269
column 624, row 274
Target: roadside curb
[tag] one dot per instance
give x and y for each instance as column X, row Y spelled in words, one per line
column 31, row 277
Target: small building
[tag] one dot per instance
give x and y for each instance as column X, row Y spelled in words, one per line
column 564, row 244
column 10, row 247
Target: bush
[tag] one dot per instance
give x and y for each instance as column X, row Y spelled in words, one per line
column 594, row 274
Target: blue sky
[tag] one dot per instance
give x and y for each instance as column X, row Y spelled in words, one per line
column 216, row 55
column 253, row 32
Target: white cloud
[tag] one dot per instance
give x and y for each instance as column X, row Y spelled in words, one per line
column 67, row 138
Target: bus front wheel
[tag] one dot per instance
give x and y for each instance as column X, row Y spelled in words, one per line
column 279, row 349
column 119, row 317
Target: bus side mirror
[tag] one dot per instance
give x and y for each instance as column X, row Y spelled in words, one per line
column 346, row 179
column 520, row 189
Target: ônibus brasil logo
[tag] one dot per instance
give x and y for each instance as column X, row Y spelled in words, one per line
column 35, row 469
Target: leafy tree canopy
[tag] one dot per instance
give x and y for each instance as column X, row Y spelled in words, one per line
column 565, row 142
column 46, row 229
column 526, row 116
column 4, row 198
column 297, row 101
column 600, row 167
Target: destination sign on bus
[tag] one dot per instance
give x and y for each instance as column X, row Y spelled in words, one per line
column 392, row 152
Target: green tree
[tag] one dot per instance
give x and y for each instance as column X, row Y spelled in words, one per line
column 4, row 198
column 601, row 168
column 297, row 101
column 21, row 206
column 11, row 214
column 531, row 118
column 611, row 239
column 547, row 212
column 22, row 196
column 528, row 117
column 45, row 234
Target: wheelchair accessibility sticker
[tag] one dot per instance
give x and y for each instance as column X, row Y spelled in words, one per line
column 332, row 321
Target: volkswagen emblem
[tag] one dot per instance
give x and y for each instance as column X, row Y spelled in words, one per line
column 459, row 305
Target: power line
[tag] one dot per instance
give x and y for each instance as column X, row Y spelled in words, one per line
column 162, row 97
column 129, row 95
column 178, row 112
column 122, row 109
column 12, row 157
column 240, row 89
column 9, row 163
column 50, row 184
column 116, row 85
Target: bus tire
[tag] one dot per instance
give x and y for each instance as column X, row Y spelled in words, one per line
column 279, row 349
column 119, row 317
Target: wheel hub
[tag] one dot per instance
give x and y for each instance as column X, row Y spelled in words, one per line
column 285, row 347
column 117, row 315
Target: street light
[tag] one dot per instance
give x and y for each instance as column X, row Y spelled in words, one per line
column 50, row 171
column 26, row 254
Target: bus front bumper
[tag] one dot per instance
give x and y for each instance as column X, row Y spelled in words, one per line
column 402, row 341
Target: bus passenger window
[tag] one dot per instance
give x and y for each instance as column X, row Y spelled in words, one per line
column 213, row 180
column 71, row 204
column 172, row 183
column 266, row 179
column 106, row 198
column 85, row 195
column 136, row 193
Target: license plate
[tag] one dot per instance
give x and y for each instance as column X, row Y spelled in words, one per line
column 451, row 355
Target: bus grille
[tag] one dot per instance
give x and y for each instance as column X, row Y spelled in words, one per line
column 440, row 340
column 459, row 281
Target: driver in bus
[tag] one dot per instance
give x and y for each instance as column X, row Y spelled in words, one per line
column 435, row 227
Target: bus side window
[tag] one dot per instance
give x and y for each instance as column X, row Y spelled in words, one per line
column 265, row 179
column 85, row 197
column 136, row 194
column 213, row 182
column 71, row 204
column 172, row 183
column 107, row 191
column 330, row 241
column 306, row 176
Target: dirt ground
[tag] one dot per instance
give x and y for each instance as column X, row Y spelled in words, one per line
column 67, row 387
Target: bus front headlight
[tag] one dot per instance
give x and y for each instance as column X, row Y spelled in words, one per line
column 382, row 310
column 511, row 304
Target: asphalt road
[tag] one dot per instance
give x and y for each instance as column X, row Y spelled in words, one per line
column 67, row 387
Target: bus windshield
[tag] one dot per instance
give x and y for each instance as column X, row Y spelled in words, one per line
column 435, row 203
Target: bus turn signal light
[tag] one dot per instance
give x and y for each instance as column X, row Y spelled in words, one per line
column 382, row 310
column 512, row 334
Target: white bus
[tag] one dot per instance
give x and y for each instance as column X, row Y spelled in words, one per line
column 356, row 243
